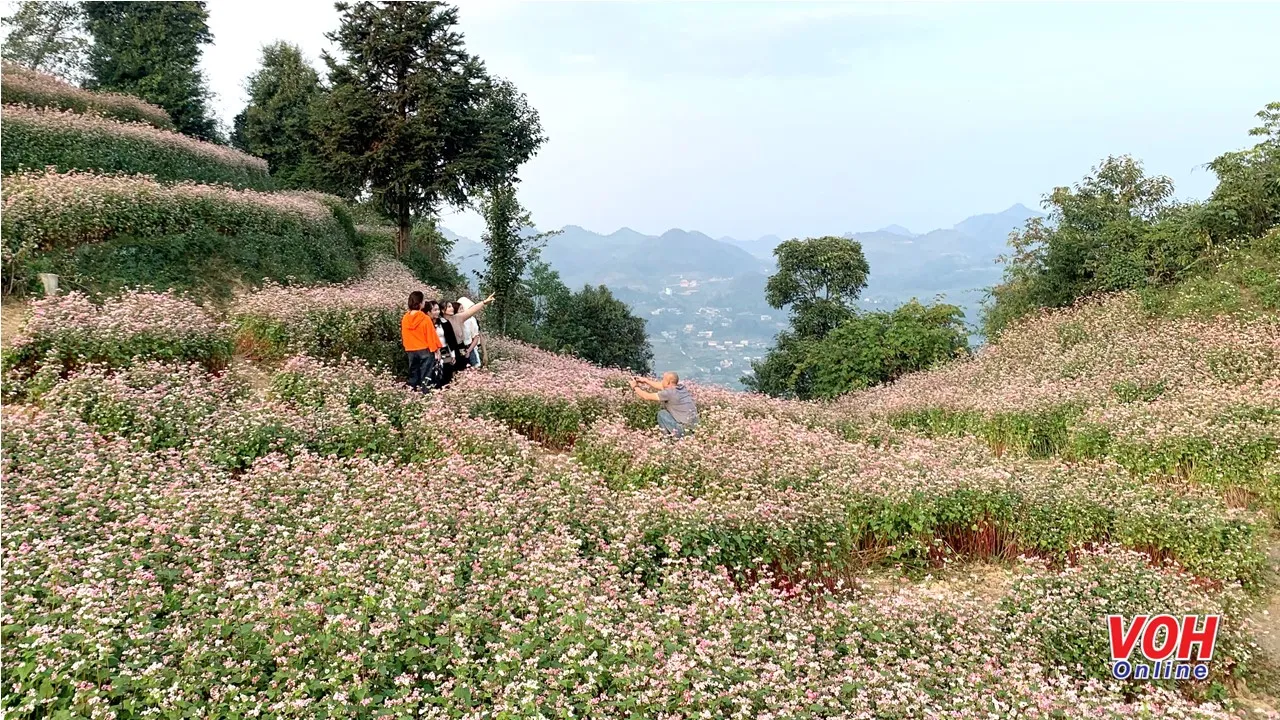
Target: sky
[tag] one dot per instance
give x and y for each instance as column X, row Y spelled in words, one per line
column 799, row 119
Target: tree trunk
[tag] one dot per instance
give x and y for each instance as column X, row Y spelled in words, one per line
column 402, row 227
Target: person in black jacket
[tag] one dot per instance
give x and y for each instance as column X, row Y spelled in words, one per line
column 452, row 341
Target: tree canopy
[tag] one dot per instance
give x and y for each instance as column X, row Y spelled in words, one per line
column 276, row 125
column 47, row 35
column 819, row 279
column 1120, row 229
column 152, row 50
column 413, row 118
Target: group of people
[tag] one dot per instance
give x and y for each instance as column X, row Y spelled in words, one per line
column 441, row 338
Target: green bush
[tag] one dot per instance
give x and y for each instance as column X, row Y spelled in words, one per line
column 1040, row 433
column 204, row 262
column 372, row 335
column 130, row 230
column 36, row 139
column 68, row 332
column 24, row 86
column 553, row 422
column 1064, row 616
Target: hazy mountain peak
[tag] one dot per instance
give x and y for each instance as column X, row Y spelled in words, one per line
column 897, row 230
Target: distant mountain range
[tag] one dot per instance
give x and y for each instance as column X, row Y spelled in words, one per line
column 944, row 260
column 703, row 298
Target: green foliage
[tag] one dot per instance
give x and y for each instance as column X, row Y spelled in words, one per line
column 1038, row 433
column 553, row 422
column 1245, row 281
column 276, row 125
column 594, row 325
column 152, row 50
column 1228, row 463
column 785, row 370
column 104, row 233
column 871, row 526
column 49, row 353
column 413, row 117
column 371, row 335
column 874, row 348
column 47, row 36
column 1246, row 202
column 428, row 258
column 509, row 248
column 1118, row 230
column 206, row 262
column 819, row 278
column 1105, row 233
column 37, row 140
column 26, row 87
column 866, row 349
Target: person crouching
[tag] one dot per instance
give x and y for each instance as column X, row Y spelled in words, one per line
column 679, row 412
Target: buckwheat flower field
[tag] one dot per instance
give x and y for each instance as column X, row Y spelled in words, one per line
column 29, row 87
column 292, row 533
column 70, row 139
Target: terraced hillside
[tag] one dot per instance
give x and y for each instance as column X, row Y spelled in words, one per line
column 220, row 499
column 207, row 510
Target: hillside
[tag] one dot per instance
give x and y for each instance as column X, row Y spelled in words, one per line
column 299, row 503
column 222, row 499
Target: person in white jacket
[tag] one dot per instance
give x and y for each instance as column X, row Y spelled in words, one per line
column 470, row 331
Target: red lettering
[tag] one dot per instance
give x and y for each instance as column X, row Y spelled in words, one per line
column 1122, row 642
column 1170, row 625
column 1205, row 638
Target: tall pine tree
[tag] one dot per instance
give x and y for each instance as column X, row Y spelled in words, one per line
column 152, row 50
column 414, row 119
column 276, row 125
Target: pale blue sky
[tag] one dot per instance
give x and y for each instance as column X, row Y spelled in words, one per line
column 804, row 118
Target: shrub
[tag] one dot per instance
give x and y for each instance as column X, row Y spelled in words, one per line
column 1063, row 615
column 27, row 87
column 37, row 138
column 359, row 319
column 70, row 331
column 133, row 225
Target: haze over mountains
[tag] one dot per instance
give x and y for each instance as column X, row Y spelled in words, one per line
column 700, row 293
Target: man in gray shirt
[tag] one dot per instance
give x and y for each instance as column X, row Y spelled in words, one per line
column 678, row 413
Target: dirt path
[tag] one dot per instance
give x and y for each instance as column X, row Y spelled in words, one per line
column 13, row 313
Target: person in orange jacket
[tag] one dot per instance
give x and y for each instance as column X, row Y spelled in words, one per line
column 418, row 334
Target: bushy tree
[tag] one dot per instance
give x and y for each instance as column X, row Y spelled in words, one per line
column 819, row 279
column 1119, row 230
column 413, row 118
column 1115, row 229
column 1246, row 202
column 276, row 125
column 152, row 50
column 874, row 348
column 49, row 36
column 866, row 349
column 594, row 325
column 783, row 372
